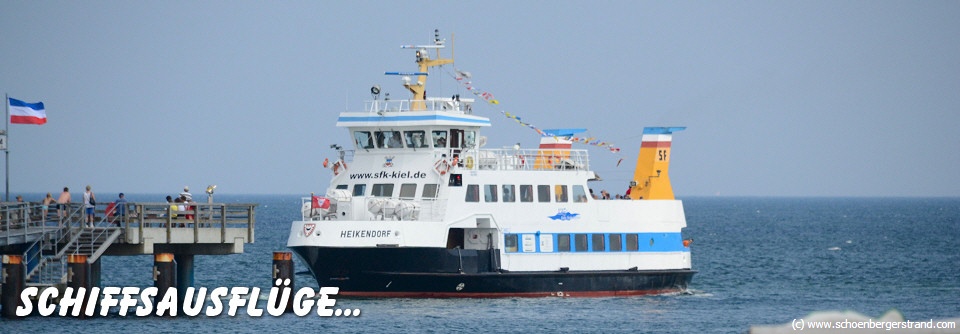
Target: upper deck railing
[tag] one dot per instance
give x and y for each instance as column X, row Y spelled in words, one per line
column 521, row 159
column 454, row 105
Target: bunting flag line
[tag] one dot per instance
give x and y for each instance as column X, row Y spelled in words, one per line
column 461, row 78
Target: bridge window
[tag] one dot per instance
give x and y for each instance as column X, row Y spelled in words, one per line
column 342, row 186
column 469, row 139
column 543, row 193
column 389, row 139
column 359, row 190
column 508, row 193
column 439, row 139
column 382, row 190
column 526, row 193
column 430, row 190
column 408, row 190
column 490, row 193
column 363, row 139
column 473, row 193
column 416, row 139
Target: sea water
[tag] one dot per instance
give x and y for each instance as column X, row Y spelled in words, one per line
column 760, row 261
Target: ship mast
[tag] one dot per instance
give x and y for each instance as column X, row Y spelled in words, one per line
column 424, row 63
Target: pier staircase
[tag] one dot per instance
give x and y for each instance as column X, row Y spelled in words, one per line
column 46, row 258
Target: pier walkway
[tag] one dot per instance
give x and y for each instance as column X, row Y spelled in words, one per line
column 46, row 240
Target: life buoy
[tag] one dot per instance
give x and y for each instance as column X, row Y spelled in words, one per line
column 442, row 167
column 326, row 162
column 522, row 160
column 469, row 163
column 337, row 165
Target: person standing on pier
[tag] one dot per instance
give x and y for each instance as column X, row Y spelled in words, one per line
column 187, row 197
column 120, row 205
column 45, row 205
column 62, row 202
column 89, row 202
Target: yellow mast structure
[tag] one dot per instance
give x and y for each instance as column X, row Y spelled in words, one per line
column 424, row 63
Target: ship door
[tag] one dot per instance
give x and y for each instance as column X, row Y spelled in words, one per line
column 456, row 143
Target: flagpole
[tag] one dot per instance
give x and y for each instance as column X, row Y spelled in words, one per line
column 6, row 150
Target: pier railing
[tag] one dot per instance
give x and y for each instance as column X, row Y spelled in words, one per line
column 200, row 218
column 47, row 238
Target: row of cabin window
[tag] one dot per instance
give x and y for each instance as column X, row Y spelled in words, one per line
column 579, row 243
column 413, row 139
column 407, row 190
column 508, row 193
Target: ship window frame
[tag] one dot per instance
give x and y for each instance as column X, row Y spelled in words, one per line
column 579, row 194
column 597, row 242
column 409, row 135
column 384, row 137
column 406, row 192
column 472, row 189
column 469, row 139
column 615, row 246
column 362, row 187
column 560, row 193
column 490, row 193
column 563, row 242
column 435, row 137
column 633, row 242
column 515, row 238
column 356, row 140
column 581, row 243
column 430, row 194
column 377, row 190
column 342, row 186
column 543, row 196
column 526, row 196
column 509, row 193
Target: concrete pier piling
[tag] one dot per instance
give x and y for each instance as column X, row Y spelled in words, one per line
column 184, row 273
column 282, row 272
column 78, row 277
column 164, row 275
column 14, row 281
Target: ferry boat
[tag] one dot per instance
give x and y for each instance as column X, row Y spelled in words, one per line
column 418, row 207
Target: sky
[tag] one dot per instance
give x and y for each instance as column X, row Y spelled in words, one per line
column 780, row 98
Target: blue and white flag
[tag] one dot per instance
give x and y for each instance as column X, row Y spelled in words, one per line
column 26, row 113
